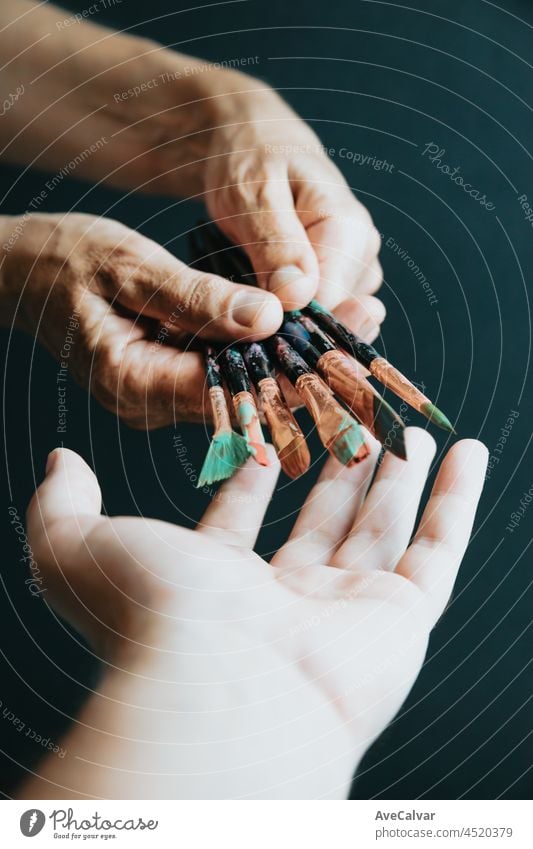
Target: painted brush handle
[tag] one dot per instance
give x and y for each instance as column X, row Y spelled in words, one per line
column 235, row 371
column 297, row 336
column 257, row 361
column 309, row 330
column 289, row 360
column 213, row 375
column 341, row 334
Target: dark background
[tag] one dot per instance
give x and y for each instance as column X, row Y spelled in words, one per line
column 381, row 79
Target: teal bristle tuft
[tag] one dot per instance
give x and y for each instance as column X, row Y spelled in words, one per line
column 350, row 446
column 227, row 452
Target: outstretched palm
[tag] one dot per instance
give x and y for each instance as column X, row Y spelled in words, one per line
column 227, row 676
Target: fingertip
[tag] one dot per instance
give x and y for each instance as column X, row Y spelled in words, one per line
column 293, row 288
column 269, row 316
column 253, row 478
column 65, row 459
column 363, row 312
column 69, row 484
column 418, row 440
column 52, row 460
column 259, row 471
column 257, row 311
column 474, row 450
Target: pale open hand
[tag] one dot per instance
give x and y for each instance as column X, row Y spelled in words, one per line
column 226, row 676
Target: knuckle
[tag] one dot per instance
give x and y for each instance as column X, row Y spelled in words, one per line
column 104, row 376
column 115, row 268
column 255, row 183
column 204, row 294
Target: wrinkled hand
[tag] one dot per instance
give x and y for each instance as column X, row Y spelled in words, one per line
column 226, row 676
column 123, row 315
column 271, row 187
column 262, row 173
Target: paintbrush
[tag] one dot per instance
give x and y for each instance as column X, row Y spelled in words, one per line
column 287, row 436
column 338, row 431
column 228, row 450
column 367, row 355
column 240, row 388
column 341, row 374
column 335, row 366
column 378, row 366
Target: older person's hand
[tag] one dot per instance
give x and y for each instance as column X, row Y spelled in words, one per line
column 149, row 119
column 122, row 316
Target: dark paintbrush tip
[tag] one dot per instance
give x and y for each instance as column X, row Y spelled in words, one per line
column 398, row 447
column 390, row 431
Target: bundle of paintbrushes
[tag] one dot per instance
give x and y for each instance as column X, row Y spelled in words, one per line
column 321, row 358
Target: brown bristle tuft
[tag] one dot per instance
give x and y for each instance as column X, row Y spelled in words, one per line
column 295, row 458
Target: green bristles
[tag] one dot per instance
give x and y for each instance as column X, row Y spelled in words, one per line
column 228, row 451
column 350, row 446
column 434, row 415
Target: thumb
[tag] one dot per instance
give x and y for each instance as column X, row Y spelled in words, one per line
column 199, row 303
column 69, row 491
column 276, row 242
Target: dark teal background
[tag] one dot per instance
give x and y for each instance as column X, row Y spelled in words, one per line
column 383, row 79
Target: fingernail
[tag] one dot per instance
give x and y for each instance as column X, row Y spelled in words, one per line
column 301, row 286
column 247, row 307
column 376, row 310
column 51, row 460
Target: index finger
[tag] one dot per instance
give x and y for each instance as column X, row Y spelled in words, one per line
column 344, row 238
